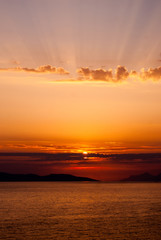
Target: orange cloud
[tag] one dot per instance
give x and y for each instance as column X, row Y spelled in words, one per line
column 152, row 74
column 41, row 69
column 95, row 75
column 121, row 73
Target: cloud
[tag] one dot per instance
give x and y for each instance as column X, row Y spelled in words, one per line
column 84, row 71
column 15, row 62
column 41, row 69
column 152, row 74
column 120, row 74
column 95, row 75
column 24, row 162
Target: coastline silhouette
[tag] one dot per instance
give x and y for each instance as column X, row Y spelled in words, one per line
column 7, row 177
column 145, row 177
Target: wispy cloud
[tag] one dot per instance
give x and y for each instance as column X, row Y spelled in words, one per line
column 41, row 69
column 15, row 62
column 100, row 166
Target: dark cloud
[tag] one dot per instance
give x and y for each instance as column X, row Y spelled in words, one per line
column 87, row 159
column 99, row 166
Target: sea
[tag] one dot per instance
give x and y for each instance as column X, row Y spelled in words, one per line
column 80, row 210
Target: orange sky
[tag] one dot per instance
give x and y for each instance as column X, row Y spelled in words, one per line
column 80, row 76
column 34, row 109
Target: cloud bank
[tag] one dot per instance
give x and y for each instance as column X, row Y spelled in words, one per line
column 151, row 73
column 100, row 166
column 41, row 69
column 119, row 74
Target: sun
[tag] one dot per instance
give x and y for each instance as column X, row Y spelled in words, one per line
column 85, row 153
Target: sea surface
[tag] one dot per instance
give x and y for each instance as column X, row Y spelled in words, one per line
column 80, row 210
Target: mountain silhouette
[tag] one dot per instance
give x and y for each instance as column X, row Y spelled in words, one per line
column 7, row 177
column 145, row 177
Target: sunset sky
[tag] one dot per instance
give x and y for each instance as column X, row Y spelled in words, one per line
column 80, row 76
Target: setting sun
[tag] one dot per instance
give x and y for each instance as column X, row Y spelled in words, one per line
column 85, row 153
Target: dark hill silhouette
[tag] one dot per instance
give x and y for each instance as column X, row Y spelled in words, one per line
column 7, row 177
column 159, row 177
column 145, row 177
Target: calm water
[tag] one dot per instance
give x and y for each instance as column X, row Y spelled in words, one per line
column 80, row 211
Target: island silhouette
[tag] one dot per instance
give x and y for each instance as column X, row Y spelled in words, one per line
column 8, row 177
column 145, row 177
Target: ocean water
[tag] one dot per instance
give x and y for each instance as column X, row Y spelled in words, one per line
column 55, row 210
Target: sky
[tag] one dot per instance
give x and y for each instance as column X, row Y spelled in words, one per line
column 80, row 76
